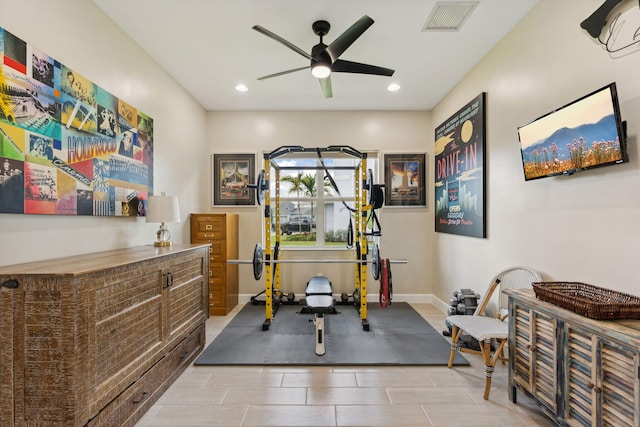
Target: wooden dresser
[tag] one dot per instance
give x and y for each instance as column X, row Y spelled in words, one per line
column 95, row 339
column 221, row 232
column 580, row 371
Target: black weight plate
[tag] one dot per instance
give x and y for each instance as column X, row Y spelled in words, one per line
column 376, row 266
column 257, row 261
column 376, row 197
column 260, row 187
column 369, row 185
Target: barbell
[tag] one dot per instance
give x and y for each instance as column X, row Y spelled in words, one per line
column 258, row 261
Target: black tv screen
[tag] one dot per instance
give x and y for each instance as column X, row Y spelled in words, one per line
column 584, row 134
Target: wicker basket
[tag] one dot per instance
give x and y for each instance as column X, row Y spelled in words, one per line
column 588, row 300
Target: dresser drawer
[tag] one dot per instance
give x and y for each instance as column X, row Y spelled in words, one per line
column 131, row 405
column 218, row 272
column 218, row 252
column 209, row 227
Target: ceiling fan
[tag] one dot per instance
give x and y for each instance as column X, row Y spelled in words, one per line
column 325, row 59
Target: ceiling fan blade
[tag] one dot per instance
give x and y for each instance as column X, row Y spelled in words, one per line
column 281, row 73
column 325, row 85
column 346, row 39
column 277, row 38
column 341, row 66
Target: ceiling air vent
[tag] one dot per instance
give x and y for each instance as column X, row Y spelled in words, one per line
column 449, row 15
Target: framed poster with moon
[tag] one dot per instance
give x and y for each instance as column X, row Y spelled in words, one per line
column 459, row 171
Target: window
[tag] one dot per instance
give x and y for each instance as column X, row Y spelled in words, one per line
column 315, row 210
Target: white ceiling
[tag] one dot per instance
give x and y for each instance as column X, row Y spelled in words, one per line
column 209, row 46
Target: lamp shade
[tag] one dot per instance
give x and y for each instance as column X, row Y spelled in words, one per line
column 163, row 209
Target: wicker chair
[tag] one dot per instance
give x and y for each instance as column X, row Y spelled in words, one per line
column 488, row 323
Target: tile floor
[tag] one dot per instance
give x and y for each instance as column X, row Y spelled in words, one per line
column 340, row 396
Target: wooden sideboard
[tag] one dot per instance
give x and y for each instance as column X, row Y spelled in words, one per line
column 95, row 339
column 221, row 232
column 580, row 372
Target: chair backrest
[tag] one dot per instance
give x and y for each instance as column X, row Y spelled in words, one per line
column 511, row 278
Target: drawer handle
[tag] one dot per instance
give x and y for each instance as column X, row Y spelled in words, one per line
column 168, row 280
column 11, row 284
column 595, row 388
column 143, row 397
column 185, row 354
column 208, row 227
column 209, row 235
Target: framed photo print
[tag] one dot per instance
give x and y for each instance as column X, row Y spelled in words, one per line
column 232, row 174
column 405, row 180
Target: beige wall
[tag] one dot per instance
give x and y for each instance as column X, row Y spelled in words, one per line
column 79, row 35
column 405, row 231
column 580, row 228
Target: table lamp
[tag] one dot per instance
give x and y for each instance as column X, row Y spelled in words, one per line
column 163, row 209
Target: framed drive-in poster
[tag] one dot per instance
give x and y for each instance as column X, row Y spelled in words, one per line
column 404, row 180
column 459, row 170
column 232, row 174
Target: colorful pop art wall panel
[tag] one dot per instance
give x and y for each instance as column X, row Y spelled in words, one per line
column 67, row 146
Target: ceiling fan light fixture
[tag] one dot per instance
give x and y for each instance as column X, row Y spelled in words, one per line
column 320, row 70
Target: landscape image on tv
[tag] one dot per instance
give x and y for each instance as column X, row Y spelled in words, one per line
column 581, row 135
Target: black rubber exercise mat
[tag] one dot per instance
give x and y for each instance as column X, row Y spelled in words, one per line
column 397, row 335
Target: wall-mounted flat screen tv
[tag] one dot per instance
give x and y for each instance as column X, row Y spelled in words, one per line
column 584, row 134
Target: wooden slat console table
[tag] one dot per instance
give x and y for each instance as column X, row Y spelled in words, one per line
column 581, row 372
column 95, row 339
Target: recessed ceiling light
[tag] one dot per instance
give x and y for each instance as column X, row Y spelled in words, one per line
column 241, row 87
column 393, row 87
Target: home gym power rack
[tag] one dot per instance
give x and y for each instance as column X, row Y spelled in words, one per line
column 368, row 197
